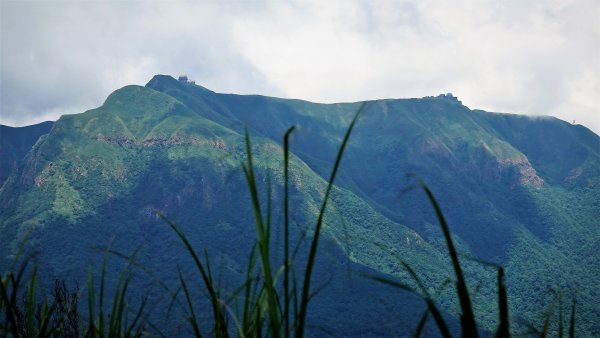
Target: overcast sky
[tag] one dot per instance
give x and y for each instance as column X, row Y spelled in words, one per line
column 528, row 57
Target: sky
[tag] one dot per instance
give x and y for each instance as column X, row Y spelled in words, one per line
column 516, row 56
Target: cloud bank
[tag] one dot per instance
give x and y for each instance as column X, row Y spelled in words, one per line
column 527, row 57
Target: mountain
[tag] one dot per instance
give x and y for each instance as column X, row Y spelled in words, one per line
column 15, row 143
column 519, row 191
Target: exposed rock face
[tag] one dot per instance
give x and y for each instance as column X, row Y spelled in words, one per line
column 529, row 176
column 155, row 141
column 515, row 170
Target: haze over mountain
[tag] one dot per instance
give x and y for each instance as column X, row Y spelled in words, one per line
column 523, row 192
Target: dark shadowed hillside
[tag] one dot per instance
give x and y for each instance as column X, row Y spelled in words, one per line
column 15, row 143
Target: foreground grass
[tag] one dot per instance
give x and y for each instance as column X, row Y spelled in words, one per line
column 272, row 300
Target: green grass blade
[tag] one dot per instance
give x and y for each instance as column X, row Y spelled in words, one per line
column 315, row 241
column 421, row 325
column 208, row 270
column 413, row 274
column 439, row 320
column 220, row 326
column 45, row 318
column 503, row 328
column 101, row 300
column 131, row 260
column 467, row 318
column 435, row 312
column 16, row 282
column 192, row 318
column 407, row 267
column 10, row 309
column 269, row 201
column 393, row 283
column 246, row 318
column 31, row 301
column 112, row 321
column 258, row 324
column 138, row 315
column 91, row 303
column 286, row 227
column 121, row 308
column 295, row 297
column 548, row 318
column 572, row 321
column 561, row 332
column 263, row 242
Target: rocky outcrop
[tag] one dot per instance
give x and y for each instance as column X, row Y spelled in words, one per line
column 156, row 141
column 514, row 170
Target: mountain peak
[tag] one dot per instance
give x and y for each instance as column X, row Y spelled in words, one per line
column 165, row 82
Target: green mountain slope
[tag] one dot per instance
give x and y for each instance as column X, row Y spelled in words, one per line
column 98, row 177
column 505, row 181
column 518, row 191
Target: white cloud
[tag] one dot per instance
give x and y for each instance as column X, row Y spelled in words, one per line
column 531, row 57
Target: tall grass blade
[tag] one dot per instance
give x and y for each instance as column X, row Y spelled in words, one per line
column 44, row 320
column 192, row 318
column 121, row 309
column 572, row 321
column 561, row 332
column 549, row 313
column 31, row 301
column 246, row 317
column 131, row 260
column 10, row 309
column 220, row 325
column 263, row 242
column 269, row 201
column 138, row 316
column 467, row 318
column 435, row 312
column 422, row 322
column 112, row 320
column 16, row 282
column 91, row 303
column 286, row 227
column 317, row 233
column 101, row 300
column 503, row 328
column 295, row 298
column 413, row 274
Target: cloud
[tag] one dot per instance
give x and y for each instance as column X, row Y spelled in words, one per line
column 65, row 57
column 529, row 57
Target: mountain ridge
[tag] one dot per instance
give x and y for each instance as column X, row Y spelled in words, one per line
column 174, row 146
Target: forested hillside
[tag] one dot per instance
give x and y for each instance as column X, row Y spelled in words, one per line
column 517, row 191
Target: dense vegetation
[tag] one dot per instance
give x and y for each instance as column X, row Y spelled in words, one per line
column 99, row 178
column 268, row 307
